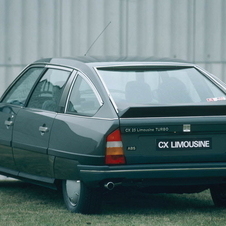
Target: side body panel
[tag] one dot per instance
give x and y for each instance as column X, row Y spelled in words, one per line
column 78, row 140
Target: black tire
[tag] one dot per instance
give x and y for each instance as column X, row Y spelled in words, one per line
column 79, row 198
column 218, row 194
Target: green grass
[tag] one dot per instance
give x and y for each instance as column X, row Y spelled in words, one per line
column 22, row 204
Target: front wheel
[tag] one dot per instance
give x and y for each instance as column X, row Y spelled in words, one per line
column 79, row 198
column 218, row 193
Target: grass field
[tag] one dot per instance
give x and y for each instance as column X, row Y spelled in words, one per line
column 22, row 204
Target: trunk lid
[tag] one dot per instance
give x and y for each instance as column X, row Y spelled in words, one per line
column 174, row 134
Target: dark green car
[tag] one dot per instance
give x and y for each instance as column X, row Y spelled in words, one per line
column 88, row 125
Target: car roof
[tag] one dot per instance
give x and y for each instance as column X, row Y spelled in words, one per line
column 108, row 61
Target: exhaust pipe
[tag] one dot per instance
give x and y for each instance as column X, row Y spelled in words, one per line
column 109, row 185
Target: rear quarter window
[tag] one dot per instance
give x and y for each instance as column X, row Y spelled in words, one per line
column 83, row 99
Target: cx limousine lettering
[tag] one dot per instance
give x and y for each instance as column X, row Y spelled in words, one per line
column 184, row 144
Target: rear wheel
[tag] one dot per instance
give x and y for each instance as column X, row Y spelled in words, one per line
column 218, row 193
column 81, row 199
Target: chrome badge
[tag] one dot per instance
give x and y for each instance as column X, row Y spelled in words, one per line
column 186, row 128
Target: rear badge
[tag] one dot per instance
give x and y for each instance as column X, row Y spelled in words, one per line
column 131, row 148
column 186, row 128
column 179, row 144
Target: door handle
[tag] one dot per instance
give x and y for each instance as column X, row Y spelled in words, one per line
column 43, row 129
column 8, row 123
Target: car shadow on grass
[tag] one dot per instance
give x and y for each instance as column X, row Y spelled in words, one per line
column 23, row 192
column 124, row 201
column 136, row 202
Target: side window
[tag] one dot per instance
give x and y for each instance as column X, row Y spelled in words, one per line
column 48, row 91
column 21, row 89
column 83, row 99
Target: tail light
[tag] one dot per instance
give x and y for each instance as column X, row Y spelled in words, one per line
column 114, row 149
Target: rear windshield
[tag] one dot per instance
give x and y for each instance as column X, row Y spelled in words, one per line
column 137, row 86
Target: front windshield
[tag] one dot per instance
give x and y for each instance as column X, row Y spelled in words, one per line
column 145, row 86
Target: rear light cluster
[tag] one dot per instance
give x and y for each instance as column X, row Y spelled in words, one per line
column 114, row 149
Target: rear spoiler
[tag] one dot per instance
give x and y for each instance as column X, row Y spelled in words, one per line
column 173, row 111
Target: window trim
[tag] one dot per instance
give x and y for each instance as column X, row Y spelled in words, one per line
column 58, row 68
column 106, row 89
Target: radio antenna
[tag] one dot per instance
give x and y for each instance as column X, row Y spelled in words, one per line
column 98, row 37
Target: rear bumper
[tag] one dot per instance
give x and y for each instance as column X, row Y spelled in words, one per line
column 189, row 173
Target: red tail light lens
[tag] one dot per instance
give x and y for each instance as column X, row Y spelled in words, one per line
column 114, row 149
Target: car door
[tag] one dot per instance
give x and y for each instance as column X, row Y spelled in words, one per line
column 82, row 132
column 12, row 102
column 33, row 125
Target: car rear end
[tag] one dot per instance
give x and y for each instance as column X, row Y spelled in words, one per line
column 176, row 150
column 172, row 129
